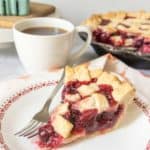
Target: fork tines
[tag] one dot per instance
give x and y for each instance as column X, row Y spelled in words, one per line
column 30, row 130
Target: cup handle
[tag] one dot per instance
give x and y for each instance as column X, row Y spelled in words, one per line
column 76, row 55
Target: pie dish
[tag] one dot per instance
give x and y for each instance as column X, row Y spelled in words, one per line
column 93, row 102
column 130, row 30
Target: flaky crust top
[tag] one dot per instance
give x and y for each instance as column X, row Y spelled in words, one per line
column 132, row 22
column 123, row 91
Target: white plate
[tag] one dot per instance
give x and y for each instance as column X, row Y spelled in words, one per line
column 6, row 35
column 21, row 106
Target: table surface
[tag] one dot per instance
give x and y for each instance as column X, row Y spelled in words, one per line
column 11, row 66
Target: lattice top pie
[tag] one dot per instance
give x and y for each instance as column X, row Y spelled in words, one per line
column 127, row 29
column 93, row 101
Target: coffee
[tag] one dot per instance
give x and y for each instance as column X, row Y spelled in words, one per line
column 44, row 31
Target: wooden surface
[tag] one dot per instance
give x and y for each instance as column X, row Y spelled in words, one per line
column 36, row 10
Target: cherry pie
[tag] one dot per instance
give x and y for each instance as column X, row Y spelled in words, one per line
column 122, row 29
column 93, row 102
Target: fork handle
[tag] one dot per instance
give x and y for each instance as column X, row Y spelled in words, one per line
column 54, row 92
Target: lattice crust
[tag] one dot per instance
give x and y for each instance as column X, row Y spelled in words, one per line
column 96, row 101
column 131, row 22
column 62, row 126
column 82, row 73
column 91, row 95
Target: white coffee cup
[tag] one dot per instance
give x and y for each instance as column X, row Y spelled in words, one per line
column 46, row 52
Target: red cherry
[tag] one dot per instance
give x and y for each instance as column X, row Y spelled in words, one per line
column 48, row 137
column 101, row 36
column 54, row 141
column 45, row 132
column 145, row 48
column 108, row 119
column 86, row 120
column 138, row 42
column 146, row 40
column 107, row 91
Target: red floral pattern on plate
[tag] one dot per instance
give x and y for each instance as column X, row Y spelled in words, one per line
column 145, row 108
column 148, row 145
column 5, row 106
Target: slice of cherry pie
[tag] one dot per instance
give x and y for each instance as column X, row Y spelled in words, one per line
column 122, row 29
column 93, row 102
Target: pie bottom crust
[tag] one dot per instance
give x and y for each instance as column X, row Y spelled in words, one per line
column 75, row 138
column 96, row 90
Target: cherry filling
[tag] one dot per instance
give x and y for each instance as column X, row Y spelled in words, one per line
column 107, row 91
column 100, row 36
column 138, row 41
column 48, row 137
column 87, row 121
column 71, row 87
column 91, row 121
column 108, row 119
column 145, row 48
column 84, row 120
column 102, row 121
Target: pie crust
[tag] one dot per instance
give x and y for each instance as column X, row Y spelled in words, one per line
column 99, row 107
column 122, row 29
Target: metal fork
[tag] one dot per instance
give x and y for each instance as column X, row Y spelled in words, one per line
column 42, row 116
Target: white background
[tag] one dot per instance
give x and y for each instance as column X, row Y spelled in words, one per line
column 78, row 10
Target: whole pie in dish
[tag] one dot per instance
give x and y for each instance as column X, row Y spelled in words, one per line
column 93, row 102
column 130, row 30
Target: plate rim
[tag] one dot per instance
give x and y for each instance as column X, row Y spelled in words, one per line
column 14, row 97
column 39, row 85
